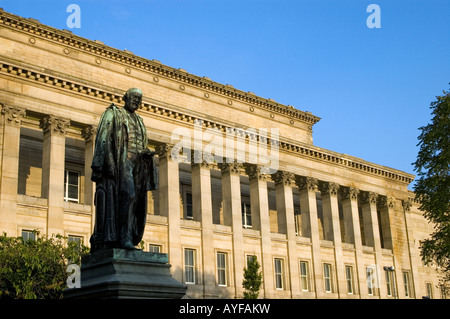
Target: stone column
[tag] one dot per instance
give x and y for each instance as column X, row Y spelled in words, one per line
column 259, row 204
column 88, row 133
column 353, row 235
column 387, row 205
column 310, row 227
column 169, row 204
column 202, row 211
column 372, row 237
column 11, row 121
column 232, row 215
column 332, row 227
column 286, row 224
column 413, row 252
column 53, row 166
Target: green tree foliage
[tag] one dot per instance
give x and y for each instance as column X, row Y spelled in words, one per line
column 252, row 279
column 433, row 186
column 36, row 269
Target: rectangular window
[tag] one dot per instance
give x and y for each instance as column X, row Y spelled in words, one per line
column 349, row 278
column 76, row 239
column 297, row 221
column 222, row 269
column 327, row 276
column 370, row 281
column 246, row 215
column 304, row 275
column 406, row 284
column 72, row 186
column 28, row 235
column 250, row 258
column 189, row 266
column 279, row 273
column 154, row 248
column 429, row 287
column 189, row 210
column 388, row 283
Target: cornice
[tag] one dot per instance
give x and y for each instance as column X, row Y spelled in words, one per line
column 36, row 29
column 108, row 95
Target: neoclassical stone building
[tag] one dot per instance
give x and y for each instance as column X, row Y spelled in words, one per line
column 322, row 224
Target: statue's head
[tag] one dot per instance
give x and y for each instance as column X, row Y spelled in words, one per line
column 132, row 99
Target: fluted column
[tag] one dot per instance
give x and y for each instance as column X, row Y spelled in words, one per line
column 386, row 205
column 310, row 227
column 232, row 215
column 413, row 252
column 332, row 227
column 53, row 166
column 353, row 234
column 169, row 205
column 286, row 224
column 259, row 203
column 372, row 236
column 11, row 122
column 202, row 211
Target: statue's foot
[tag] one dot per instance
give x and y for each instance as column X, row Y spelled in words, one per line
column 128, row 245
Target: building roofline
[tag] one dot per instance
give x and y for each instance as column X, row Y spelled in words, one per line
column 96, row 47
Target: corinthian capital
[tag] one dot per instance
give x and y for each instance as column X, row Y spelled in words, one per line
column 232, row 167
column 386, row 201
column 164, row 150
column 256, row 171
column 284, row 178
column 88, row 133
column 406, row 204
column 54, row 125
column 329, row 188
column 308, row 183
column 13, row 115
column 369, row 197
column 350, row 193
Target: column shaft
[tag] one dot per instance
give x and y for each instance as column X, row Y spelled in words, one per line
column 310, row 227
column 53, row 166
column 202, row 211
column 285, row 208
column 259, row 203
column 331, row 214
column 12, row 119
column 231, row 196
column 169, row 204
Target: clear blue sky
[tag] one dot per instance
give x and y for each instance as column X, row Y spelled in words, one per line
column 371, row 87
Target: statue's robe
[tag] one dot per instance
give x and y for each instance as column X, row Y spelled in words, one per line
column 117, row 183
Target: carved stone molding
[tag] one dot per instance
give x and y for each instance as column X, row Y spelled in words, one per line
column 329, row 188
column 369, row 197
column 386, row 201
column 406, row 203
column 308, row 183
column 13, row 115
column 164, row 150
column 256, row 172
column 283, row 177
column 232, row 167
column 54, row 125
column 88, row 133
column 349, row 193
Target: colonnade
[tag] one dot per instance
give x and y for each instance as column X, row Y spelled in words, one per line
column 53, row 159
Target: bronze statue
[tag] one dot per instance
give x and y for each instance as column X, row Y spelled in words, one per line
column 123, row 169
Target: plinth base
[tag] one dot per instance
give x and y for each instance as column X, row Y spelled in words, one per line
column 126, row 274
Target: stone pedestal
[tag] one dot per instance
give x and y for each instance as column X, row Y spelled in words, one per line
column 126, row 274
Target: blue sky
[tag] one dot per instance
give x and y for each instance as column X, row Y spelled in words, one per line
column 371, row 87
